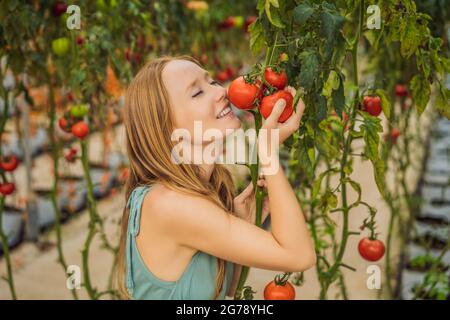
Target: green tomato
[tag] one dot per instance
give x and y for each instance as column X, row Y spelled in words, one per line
column 238, row 22
column 61, row 46
column 79, row 111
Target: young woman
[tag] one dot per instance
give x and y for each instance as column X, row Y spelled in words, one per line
column 184, row 234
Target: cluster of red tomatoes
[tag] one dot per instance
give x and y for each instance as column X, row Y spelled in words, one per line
column 8, row 164
column 73, row 122
column 246, row 95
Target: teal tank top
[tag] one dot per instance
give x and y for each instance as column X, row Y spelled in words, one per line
column 197, row 281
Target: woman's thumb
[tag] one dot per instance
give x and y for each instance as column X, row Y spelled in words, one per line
column 277, row 110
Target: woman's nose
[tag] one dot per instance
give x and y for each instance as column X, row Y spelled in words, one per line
column 221, row 93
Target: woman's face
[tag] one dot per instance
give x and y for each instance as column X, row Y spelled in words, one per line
column 195, row 96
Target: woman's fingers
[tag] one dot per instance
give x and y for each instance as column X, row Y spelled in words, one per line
column 262, row 183
column 276, row 112
column 245, row 193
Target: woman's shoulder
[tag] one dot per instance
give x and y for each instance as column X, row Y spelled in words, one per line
column 167, row 205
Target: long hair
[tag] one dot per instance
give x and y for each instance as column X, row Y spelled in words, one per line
column 149, row 124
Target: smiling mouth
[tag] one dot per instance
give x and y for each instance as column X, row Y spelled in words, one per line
column 225, row 111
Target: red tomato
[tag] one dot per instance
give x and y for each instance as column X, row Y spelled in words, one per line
column 248, row 21
column 372, row 105
column 7, row 188
column 395, row 133
column 273, row 291
column 371, row 250
column 9, row 163
column 229, row 71
column 59, row 8
column 243, row 94
column 80, row 40
column 71, row 155
column 222, row 76
column 278, row 80
column 401, row 90
column 227, row 23
column 80, row 129
column 268, row 102
column 62, row 122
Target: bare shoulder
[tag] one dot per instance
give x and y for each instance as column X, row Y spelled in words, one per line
column 171, row 208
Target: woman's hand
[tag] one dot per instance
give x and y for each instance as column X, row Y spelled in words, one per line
column 245, row 203
column 292, row 124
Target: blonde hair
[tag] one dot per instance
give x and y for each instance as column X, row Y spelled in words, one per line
column 149, row 124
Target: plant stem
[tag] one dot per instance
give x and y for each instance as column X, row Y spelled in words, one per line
column 93, row 219
column 55, row 150
column 3, row 237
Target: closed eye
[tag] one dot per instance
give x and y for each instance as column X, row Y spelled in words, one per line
column 214, row 82
column 197, row 94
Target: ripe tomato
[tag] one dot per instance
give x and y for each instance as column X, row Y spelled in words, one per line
column 401, row 90
column 7, row 188
column 278, row 80
column 80, row 40
column 248, row 21
column 9, row 163
column 59, row 8
column 63, row 124
column 273, row 291
column 243, row 94
column 61, row 46
column 372, row 105
column 268, row 102
column 227, row 23
column 395, row 133
column 222, row 76
column 371, row 250
column 80, row 129
column 71, row 155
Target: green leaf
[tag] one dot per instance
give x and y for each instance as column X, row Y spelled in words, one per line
column 273, row 16
column 309, row 70
column 442, row 101
column 304, row 160
column 274, row 3
column 338, row 97
column 420, row 90
column 370, row 129
column 410, row 38
column 385, row 102
column 256, row 37
column 302, row 13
